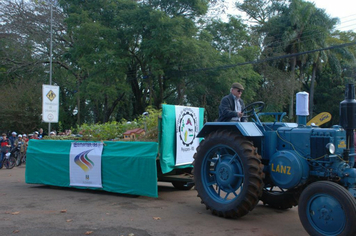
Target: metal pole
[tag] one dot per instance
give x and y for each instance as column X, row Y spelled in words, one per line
column 50, row 62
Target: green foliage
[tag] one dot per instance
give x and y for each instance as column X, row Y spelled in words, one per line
column 62, row 137
column 115, row 59
column 114, row 130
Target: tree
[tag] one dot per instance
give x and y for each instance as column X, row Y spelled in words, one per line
column 338, row 71
column 143, row 45
column 321, row 25
column 295, row 28
column 231, row 45
column 114, row 58
column 260, row 11
column 22, row 70
column 26, row 26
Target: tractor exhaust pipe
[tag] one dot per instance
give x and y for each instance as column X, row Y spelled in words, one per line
column 348, row 118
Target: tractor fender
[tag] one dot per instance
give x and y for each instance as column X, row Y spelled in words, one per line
column 247, row 129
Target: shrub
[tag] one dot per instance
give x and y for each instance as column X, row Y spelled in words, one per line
column 114, row 130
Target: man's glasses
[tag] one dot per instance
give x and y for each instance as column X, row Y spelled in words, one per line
column 239, row 90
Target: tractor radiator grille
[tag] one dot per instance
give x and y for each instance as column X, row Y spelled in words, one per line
column 317, row 146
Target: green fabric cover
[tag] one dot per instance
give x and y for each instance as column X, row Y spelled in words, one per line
column 127, row 167
column 168, row 138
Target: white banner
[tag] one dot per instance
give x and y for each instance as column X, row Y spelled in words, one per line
column 50, row 103
column 85, row 164
column 187, row 128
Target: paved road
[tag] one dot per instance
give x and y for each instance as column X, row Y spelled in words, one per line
column 43, row 210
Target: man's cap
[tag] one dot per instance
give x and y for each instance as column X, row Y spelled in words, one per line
column 3, row 134
column 20, row 136
column 36, row 132
column 238, row 86
column 14, row 133
column 24, row 135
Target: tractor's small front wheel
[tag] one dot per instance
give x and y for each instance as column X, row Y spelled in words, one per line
column 228, row 174
column 327, row 208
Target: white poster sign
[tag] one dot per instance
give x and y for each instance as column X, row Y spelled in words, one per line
column 85, row 164
column 187, row 128
column 50, row 103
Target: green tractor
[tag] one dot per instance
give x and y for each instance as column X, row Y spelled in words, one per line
column 283, row 165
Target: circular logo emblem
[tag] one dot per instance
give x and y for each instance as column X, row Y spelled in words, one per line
column 187, row 126
column 50, row 116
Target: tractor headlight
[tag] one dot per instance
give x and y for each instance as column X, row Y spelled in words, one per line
column 330, row 148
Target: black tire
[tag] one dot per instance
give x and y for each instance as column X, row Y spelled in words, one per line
column 327, row 208
column 6, row 163
column 18, row 159
column 183, row 185
column 10, row 163
column 228, row 174
column 275, row 197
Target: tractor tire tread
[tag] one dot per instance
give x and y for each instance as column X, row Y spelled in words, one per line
column 254, row 178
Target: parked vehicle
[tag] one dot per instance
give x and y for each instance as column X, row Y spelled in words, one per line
column 9, row 161
column 284, row 165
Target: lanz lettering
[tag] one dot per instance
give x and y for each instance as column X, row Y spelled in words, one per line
column 281, row 169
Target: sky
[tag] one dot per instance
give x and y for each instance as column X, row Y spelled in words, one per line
column 345, row 10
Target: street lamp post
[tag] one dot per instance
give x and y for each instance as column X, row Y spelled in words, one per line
column 50, row 60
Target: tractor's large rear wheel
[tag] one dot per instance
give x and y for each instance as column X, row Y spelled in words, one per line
column 228, row 174
column 327, row 208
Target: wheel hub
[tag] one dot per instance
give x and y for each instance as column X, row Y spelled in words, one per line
column 325, row 214
column 226, row 171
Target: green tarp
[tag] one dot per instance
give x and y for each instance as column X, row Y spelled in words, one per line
column 127, row 167
column 168, row 138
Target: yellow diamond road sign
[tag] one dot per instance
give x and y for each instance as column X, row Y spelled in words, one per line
column 51, row 95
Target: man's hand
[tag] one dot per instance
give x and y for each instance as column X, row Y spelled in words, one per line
column 240, row 114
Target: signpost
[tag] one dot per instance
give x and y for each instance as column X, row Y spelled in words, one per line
column 50, row 103
column 50, row 95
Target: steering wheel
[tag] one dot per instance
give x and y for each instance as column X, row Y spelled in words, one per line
column 253, row 108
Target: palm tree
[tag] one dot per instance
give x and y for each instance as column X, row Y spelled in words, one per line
column 322, row 25
column 300, row 27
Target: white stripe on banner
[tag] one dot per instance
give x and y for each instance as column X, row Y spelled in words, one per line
column 187, row 128
column 85, row 164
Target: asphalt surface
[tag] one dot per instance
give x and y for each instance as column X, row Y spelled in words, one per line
column 47, row 210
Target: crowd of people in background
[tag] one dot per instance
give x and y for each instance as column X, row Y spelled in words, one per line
column 12, row 140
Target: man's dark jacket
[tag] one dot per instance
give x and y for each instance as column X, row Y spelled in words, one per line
column 12, row 141
column 227, row 108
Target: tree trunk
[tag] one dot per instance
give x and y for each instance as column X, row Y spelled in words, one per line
column 159, row 99
column 136, row 90
column 181, row 92
column 311, row 92
column 78, row 99
column 110, row 109
column 301, row 75
column 292, row 82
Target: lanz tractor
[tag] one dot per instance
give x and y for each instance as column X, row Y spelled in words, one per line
column 283, row 165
